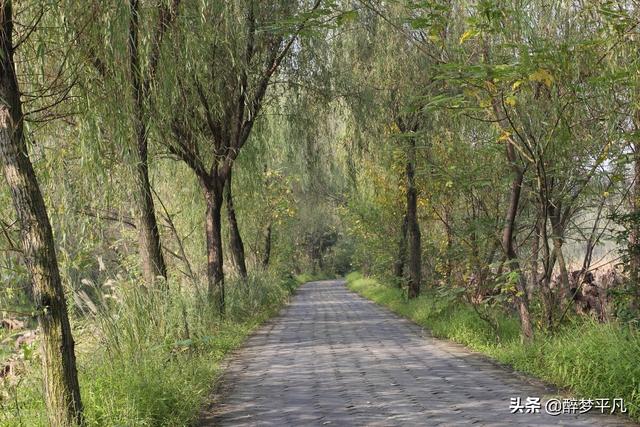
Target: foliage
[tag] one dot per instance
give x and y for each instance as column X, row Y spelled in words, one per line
column 145, row 359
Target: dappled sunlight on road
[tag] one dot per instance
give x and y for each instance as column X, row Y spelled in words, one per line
column 334, row 358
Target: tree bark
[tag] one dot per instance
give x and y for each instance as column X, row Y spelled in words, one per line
column 213, row 229
column 398, row 266
column 449, row 262
column 634, row 234
column 266, row 256
column 61, row 388
column 153, row 264
column 413, row 228
column 510, row 253
column 535, row 255
column 557, row 227
column 237, row 247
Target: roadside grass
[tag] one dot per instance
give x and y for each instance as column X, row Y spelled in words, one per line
column 590, row 359
column 148, row 358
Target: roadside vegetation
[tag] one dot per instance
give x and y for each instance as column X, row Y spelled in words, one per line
column 146, row 358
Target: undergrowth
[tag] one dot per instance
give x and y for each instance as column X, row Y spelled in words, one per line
column 150, row 357
column 590, row 359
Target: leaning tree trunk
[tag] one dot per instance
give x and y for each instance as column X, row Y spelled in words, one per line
column 237, row 247
column 413, row 228
column 512, row 211
column 215, row 274
column 153, row 264
column 61, row 389
column 401, row 260
column 507, row 246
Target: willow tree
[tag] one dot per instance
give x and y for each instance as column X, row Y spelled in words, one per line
column 121, row 44
column 153, row 263
column 61, row 389
column 214, row 94
column 393, row 64
column 235, row 239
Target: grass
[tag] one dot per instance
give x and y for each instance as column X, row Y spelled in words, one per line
column 590, row 359
column 148, row 358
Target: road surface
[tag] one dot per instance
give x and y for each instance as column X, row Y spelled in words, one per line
column 333, row 358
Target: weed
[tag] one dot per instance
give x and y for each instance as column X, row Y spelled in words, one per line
column 151, row 357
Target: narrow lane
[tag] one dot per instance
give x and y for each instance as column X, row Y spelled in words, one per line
column 334, row 358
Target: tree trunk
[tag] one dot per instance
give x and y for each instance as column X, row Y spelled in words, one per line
column 213, row 226
column 267, row 248
column 413, row 228
column 634, row 234
column 548, row 263
column 153, row 264
column 449, row 263
column 61, row 388
column 398, row 266
column 564, row 273
column 557, row 227
column 512, row 212
column 507, row 246
column 237, row 247
column 535, row 255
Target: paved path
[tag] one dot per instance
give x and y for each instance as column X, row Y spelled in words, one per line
column 333, row 358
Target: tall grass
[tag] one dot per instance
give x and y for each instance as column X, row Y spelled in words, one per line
column 590, row 359
column 151, row 357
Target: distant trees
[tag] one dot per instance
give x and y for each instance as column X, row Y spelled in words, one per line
column 396, row 81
